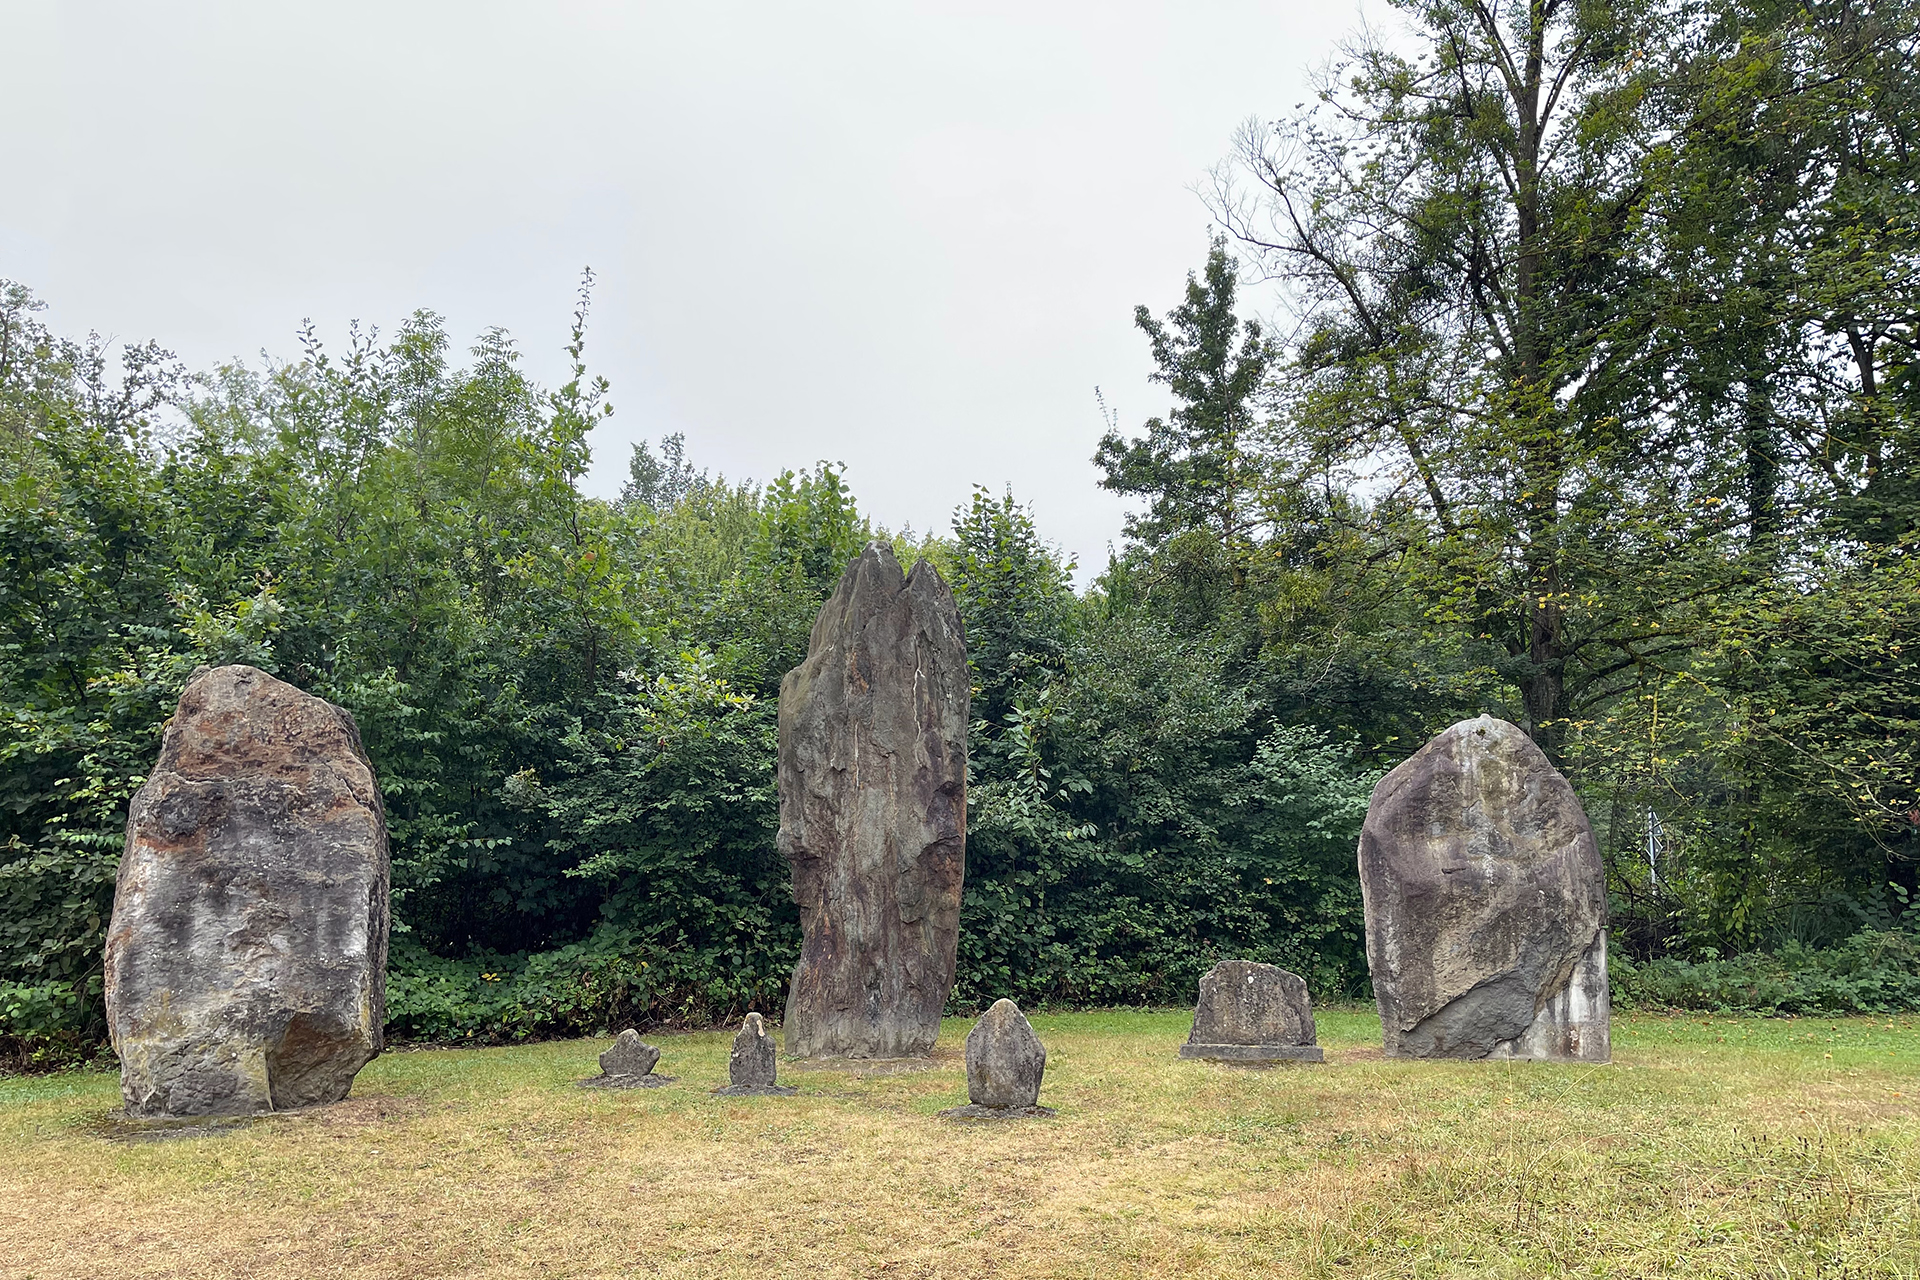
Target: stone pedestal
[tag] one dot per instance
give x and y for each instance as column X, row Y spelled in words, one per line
column 873, row 812
column 246, row 959
column 1485, row 903
column 1252, row 1013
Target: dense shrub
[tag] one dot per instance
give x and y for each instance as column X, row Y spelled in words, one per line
column 614, row 979
column 46, row 1026
column 571, row 703
column 1875, row 971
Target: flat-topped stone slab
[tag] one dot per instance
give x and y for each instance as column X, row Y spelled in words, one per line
column 648, row 1081
column 1252, row 1013
column 974, row 1111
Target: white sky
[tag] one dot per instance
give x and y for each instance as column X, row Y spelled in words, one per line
column 908, row 237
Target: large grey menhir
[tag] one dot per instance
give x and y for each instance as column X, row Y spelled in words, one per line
column 1486, row 904
column 873, row 811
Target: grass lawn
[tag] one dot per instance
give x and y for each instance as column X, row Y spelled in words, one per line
column 1711, row 1147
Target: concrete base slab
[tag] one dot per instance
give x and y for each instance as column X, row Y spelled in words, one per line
column 860, row 1066
column 1253, row 1053
column 648, row 1081
column 974, row 1111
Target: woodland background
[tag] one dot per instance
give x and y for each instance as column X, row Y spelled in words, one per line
column 1588, row 398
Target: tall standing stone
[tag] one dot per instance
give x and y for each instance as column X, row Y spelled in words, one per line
column 873, row 812
column 246, row 959
column 1486, row 904
column 1250, row 1012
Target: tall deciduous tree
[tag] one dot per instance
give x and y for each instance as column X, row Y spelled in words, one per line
column 1451, row 219
column 1786, row 197
column 1016, row 595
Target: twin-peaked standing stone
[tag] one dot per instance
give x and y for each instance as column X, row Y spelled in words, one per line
column 1252, row 1013
column 629, row 1056
column 873, row 812
column 246, row 959
column 628, row 1064
column 1486, row 904
column 751, row 1067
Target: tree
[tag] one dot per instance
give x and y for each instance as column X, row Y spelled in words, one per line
column 1780, row 307
column 1452, row 223
column 1786, row 195
column 658, row 483
column 1199, row 466
column 1607, row 323
column 1016, row 596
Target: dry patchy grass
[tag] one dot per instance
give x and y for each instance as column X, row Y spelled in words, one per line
column 1712, row 1147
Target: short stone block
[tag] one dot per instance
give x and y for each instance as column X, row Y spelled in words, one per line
column 1252, row 1013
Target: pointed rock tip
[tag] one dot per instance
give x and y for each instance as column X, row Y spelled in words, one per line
column 875, row 563
column 880, row 555
column 926, row 576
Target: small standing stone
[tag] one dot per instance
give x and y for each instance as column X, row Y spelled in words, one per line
column 751, row 1066
column 1254, row 1013
column 1005, row 1061
column 629, row 1056
column 628, row 1065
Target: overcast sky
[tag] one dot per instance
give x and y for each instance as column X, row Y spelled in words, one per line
column 907, row 237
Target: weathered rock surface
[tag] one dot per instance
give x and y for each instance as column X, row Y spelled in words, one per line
column 873, row 812
column 1251, row 1012
column 751, row 1067
column 628, row 1065
column 247, row 954
column 629, row 1056
column 1005, row 1059
column 1485, row 904
column 752, row 1061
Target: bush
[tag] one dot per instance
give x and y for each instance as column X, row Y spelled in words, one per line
column 1874, row 971
column 610, row 981
column 48, row 1026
